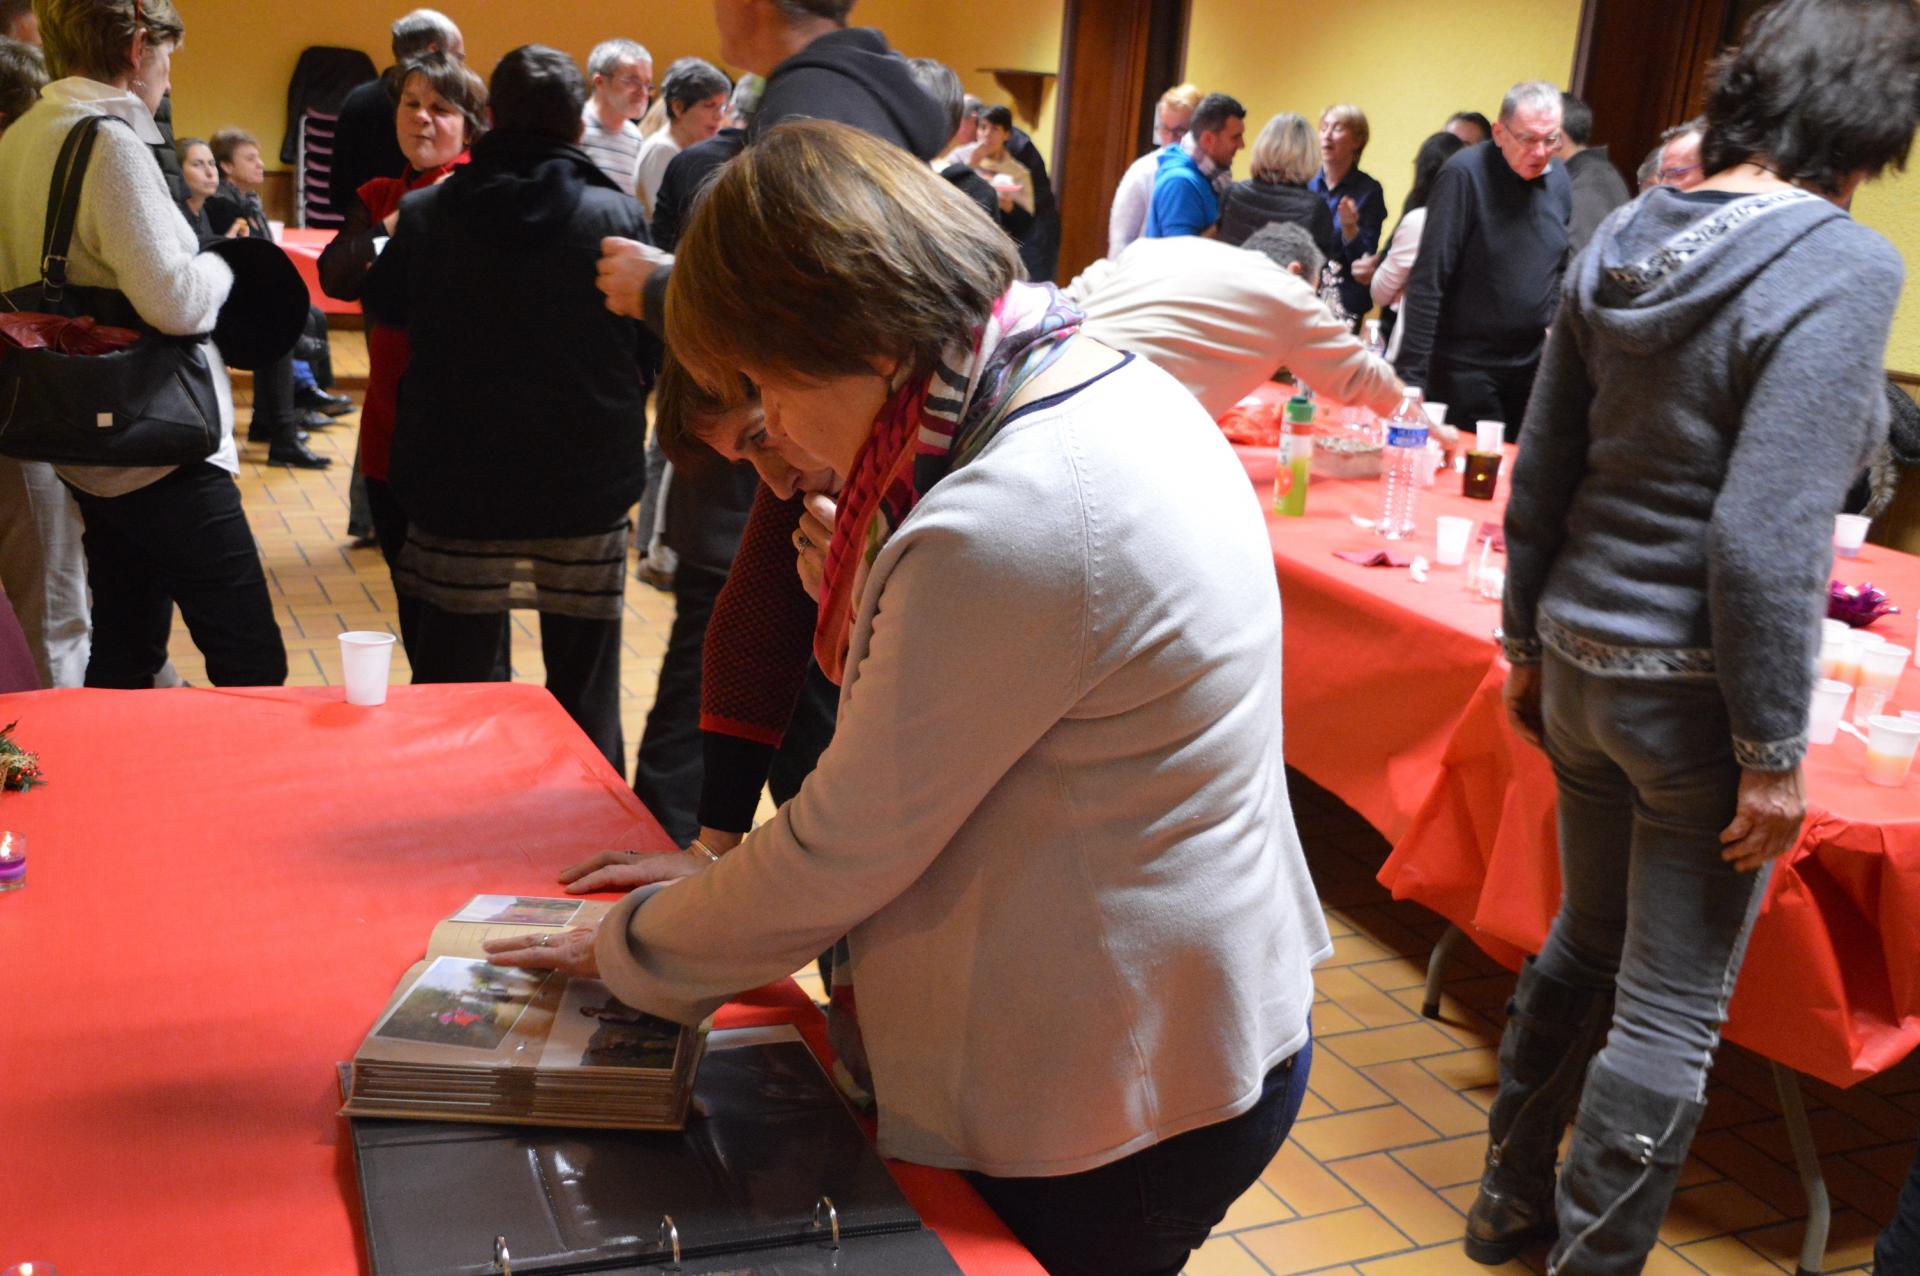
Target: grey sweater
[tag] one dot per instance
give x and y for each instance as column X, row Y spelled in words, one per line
column 1711, row 389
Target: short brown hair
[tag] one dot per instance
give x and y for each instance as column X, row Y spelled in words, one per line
column 822, row 246
column 93, row 37
column 684, row 411
column 228, row 140
column 23, row 73
column 453, row 80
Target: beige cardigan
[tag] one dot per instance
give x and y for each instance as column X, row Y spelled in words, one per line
column 1054, row 817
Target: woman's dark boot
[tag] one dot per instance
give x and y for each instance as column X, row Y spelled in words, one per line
column 1553, row 1030
column 1628, row 1145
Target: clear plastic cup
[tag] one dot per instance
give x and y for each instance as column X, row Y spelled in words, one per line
column 1849, row 534
column 366, row 658
column 1829, row 705
column 1451, row 537
column 1890, row 747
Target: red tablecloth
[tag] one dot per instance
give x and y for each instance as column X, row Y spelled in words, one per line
column 222, row 888
column 1393, row 702
column 305, row 246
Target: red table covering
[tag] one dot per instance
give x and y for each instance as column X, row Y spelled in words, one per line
column 223, row 887
column 1392, row 693
column 304, row 246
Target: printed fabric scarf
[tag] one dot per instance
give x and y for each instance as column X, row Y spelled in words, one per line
column 928, row 428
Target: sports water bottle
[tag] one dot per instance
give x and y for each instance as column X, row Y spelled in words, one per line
column 1406, row 450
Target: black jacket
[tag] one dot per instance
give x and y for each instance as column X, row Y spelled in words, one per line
column 1040, row 241
column 686, row 176
column 365, row 145
column 853, row 77
column 229, row 203
column 1249, row 205
column 522, row 412
column 322, row 79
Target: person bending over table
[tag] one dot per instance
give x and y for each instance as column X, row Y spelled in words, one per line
column 1668, row 543
column 1054, row 819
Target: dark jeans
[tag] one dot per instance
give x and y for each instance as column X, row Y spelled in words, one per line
column 273, row 406
column 1146, row 1213
column 1899, row 1247
column 671, row 764
column 1473, row 394
column 582, row 659
column 181, row 540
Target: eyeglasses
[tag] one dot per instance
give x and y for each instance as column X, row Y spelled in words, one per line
column 1549, row 140
column 634, row 82
column 1675, row 174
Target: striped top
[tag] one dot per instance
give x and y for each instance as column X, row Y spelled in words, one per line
column 615, row 151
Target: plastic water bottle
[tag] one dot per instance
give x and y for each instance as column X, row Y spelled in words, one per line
column 1406, row 450
column 1376, row 344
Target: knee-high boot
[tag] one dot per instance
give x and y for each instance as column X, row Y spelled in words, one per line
column 1628, row 1145
column 1553, row 1030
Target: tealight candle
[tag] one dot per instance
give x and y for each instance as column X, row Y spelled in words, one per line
column 30, row 1269
column 13, row 862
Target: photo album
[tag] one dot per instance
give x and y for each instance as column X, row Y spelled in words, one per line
column 465, row 1040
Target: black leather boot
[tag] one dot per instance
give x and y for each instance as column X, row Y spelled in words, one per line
column 1628, row 1145
column 289, row 448
column 1552, row 1032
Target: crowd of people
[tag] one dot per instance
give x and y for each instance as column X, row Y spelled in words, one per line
column 917, row 507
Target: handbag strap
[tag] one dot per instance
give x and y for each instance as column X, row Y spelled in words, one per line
column 63, row 204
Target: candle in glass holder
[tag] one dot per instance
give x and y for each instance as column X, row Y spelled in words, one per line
column 1483, row 475
column 13, row 861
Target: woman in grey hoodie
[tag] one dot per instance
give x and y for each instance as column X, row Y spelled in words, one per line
column 1711, row 389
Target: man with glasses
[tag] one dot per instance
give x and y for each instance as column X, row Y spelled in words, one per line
column 1487, row 280
column 621, row 77
column 1171, row 115
column 1680, row 165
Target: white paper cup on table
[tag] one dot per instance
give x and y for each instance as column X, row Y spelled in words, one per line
column 1890, row 747
column 366, row 657
column 1829, row 706
column 1451, row 535
column 1488, row 436
column 277, row 229
column 1849, row 534
column 1880, row 667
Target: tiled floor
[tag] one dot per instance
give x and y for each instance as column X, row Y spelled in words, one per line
column 1383, row 1161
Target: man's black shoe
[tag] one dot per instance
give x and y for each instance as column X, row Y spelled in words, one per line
column 313, row 398
column 298, row 456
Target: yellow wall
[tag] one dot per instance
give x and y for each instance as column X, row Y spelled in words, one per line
column 1409, row 64
column 239, row 54
column 1892, row 207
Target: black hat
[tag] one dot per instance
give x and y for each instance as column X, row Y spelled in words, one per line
column 267, row 309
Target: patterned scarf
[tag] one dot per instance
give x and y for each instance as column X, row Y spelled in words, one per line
column 928, row 428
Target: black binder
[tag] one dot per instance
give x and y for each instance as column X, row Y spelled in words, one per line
column 772, row 1177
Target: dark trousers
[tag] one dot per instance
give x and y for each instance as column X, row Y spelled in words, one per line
column 390, row 530
column 1145, row 1214
column 273, row 407
column 181, row 540
column 671, row 764
column 1473, row 394
column 582, row 659
column 1899, row 1247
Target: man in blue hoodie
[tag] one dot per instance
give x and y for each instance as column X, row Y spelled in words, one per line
column 1184, row 202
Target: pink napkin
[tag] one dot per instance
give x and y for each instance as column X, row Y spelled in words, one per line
column 1373, row 557
column 1492, row 532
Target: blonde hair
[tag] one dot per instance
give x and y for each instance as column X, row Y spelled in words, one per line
column 822, row 247
column 1354, row 118
column 94, row 38
column 1285, row 151
column 1184, row 96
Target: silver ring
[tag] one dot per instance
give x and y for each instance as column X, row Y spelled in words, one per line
column 545, row 941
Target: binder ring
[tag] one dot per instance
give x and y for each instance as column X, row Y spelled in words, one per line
column 670, row 1240
column 833, row 1220
column 502, row 1260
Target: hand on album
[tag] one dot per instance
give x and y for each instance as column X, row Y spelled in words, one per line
column 624, row 870
column 810, row 541
column 625, row 267
column 570, row 952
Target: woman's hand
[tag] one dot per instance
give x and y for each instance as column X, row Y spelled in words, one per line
column 625, row 267
column 1005, row 197
column 624, row 870
column 569, row 951
column 1362, row 270
column 1349, row 214
column 1522, row 695
column 810, row 541
column 1766, row 819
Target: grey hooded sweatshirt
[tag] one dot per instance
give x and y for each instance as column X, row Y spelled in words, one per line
column 1712, row 387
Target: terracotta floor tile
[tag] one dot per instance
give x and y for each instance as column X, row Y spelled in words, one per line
column 1404, row 1200
column 1343, row 1088
column 1427, row 1097
column 1447, row 1162
column 1728, row 1256
column 1309, row 1244
column 1223, row 1256
column 1714, row 1209
column 1366, row 1004
column 1438, row 1260
column 1849, row 1243
column 1306, row 1186
column 1357, row 1133
column 1383, row 1045
column 1256, row 1207
column 1395, row 973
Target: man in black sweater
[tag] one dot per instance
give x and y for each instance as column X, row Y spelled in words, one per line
column 1487, row 280
column 364, row 142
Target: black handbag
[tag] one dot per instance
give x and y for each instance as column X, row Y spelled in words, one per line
column 152, row 403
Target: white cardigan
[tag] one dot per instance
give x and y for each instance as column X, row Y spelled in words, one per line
column 1389, row 284
column 128, row 235
column 1054, row 816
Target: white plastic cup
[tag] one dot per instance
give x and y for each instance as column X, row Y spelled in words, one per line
column 1831, row 628
column 1849, row 534
column 1829, row 706
column 1489, row 436
column 1451, row 535
column 1436, row 413
column 366, row 657
column 1840, row 657
column 1880, row 668
column 1890, row 747
column 277, row 229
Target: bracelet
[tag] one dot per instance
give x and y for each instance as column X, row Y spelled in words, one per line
column 704, row 851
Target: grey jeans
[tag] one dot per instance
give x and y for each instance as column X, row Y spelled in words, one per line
column 1647, row 780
